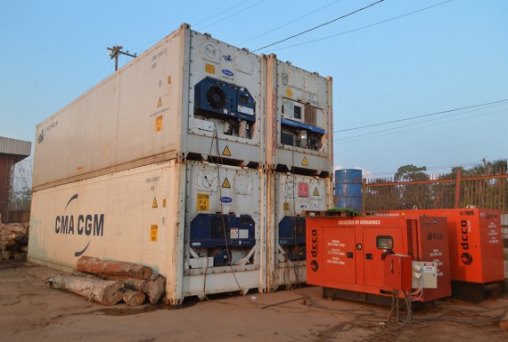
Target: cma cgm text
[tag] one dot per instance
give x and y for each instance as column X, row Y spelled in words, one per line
column 84, row 225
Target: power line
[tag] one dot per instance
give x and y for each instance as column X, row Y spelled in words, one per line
column 421, row 116
column 412, row 127
column 320, row 25
column 220, row 12
column 233, row 14
column 287, row 23
column 364, row 27
column 198, row 23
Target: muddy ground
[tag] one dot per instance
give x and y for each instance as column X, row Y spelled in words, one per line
column 30, row 311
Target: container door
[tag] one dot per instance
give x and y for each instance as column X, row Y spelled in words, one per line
column 340, row 255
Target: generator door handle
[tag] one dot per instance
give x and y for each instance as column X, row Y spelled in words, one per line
column 349, row 255
column 369, row 256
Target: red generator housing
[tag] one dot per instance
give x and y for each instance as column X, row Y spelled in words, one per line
column 347, row 256
column 476, row 249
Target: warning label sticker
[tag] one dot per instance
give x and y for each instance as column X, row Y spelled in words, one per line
column 316, row 192
column 210, row 68
column 225, row 184
column 153, row 232
column 305, row 162
column 158, row 123
column 203, row 202
column 226, row 152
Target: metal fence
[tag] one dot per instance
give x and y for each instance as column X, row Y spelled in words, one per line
column 438, row 191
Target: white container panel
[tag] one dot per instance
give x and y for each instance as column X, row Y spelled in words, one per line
column 130, row 216
column 132, row 116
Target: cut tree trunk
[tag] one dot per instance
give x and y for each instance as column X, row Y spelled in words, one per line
column 105, row 292
column 133, row 298
column 117, row 269
column 154, row 287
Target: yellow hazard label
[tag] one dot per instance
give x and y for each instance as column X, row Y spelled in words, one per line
column 158, row 123
column 210, row 68
column 305, row 162
column 225, row 184
column 286, row 206
column 289, row 92
column 316, row 192
column 154, row 203
column 226, row 152
column 159, row 102
column 203, row 202
column 153, row 232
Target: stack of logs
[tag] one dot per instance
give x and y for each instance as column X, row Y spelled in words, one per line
column 13, row 241
column 109, row 282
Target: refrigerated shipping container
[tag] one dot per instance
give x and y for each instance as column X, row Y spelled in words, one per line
column 189, row 95
column 299, row 119
column 198, row 224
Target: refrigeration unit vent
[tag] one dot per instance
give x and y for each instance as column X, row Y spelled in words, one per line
column 214, row 97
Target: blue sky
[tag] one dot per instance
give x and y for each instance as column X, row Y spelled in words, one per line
column 451, row 56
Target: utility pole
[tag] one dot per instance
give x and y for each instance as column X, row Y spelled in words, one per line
column 117, row 50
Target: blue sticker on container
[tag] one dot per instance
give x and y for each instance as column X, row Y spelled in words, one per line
column 228, row 72
column 226, row 199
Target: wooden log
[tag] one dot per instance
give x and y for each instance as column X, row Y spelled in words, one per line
column 105, row 292
column 503, row 323
column 134, row 284
column 133, row 298
column 113, row 268
column 154, row 287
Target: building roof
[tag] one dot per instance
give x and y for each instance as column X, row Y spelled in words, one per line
column 15, row 147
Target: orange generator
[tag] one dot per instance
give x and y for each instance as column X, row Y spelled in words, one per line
column 476, row 249
column 368, row 257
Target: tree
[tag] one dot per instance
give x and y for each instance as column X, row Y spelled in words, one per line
column 413, row 195
column 21, row 191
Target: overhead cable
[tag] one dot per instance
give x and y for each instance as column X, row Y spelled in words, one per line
column 364, row 27
column 421, row 116
column 320, row 25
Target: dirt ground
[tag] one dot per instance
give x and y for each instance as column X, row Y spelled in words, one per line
column 31, row 311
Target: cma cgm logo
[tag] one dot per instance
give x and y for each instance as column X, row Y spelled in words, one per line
column 91, row 224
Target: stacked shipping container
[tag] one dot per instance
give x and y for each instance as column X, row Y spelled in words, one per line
column 299, row 163
column 165, row 163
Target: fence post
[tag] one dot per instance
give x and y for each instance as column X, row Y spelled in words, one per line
column 458, row 178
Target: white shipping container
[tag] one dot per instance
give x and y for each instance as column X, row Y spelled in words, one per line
column 299, row 119
column 189, row 95
column 293, row 195
column 147, row 214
